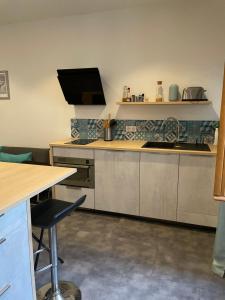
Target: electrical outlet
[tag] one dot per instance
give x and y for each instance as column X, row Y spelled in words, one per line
column 131, row 128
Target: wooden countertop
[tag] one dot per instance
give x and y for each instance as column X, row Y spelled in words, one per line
column 23, row 181
column 130, row 145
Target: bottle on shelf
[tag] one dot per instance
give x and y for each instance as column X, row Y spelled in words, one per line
column 128, row 95
column 159, row 92
column 124, row 99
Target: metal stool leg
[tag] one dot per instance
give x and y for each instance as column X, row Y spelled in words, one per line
column 57, row 290
column 38, row 248
column 54, row 261
column 39, row 240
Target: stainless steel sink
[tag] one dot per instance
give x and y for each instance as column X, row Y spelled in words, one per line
column 178, row 146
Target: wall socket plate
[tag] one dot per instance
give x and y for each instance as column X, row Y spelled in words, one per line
column 131, row 128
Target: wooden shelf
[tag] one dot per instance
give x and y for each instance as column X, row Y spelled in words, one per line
column 166, row 103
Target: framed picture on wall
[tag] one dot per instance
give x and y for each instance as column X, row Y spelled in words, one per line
column 4, row 85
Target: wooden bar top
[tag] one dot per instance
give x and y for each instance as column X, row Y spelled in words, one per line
column 130, row 145
column 23, row 181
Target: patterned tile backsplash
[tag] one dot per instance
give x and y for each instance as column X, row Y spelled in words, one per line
column 152, row 130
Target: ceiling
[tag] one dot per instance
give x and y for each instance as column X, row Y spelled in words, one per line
column 12, row 11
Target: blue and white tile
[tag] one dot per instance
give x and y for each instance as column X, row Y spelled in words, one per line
column 120, row 124
column 119, row 135
column 100, row 133
column 83, row 124
column 170, row 136
column 92, row 123
column 140, row 135
column 190, row 131
column 130, row 136
column 156, row 137
column 99, row 124
column 74, row 123
column 92, row 134
column 75, row 133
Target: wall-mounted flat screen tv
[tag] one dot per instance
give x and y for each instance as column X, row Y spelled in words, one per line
column 81, row 86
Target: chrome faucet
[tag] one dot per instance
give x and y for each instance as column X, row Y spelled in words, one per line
column 178, row 125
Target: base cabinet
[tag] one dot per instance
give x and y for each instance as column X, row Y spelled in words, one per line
column 195, row 190
column 158, row 185
column 16, row 269
column 117, row 181
column 166, row 186
column 71, row 194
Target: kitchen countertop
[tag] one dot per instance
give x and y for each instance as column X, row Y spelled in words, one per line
column 23, row 181
column 130, row 145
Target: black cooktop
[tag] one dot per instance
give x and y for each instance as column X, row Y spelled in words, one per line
column 82, row 141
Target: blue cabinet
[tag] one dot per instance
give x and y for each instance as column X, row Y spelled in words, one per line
column 15, row 265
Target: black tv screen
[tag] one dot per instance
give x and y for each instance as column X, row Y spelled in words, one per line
column 81, row 86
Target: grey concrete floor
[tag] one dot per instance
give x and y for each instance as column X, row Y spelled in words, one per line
column 116, row 258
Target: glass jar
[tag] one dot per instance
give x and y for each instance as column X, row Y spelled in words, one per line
column 159, row 92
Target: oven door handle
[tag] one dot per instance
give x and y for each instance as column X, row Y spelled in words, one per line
column 71, row 166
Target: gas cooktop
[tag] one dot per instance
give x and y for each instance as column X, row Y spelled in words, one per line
column 81, row 141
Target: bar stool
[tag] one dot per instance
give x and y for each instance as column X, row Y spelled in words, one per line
column 46, row 215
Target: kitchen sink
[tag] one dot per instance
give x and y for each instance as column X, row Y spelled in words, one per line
column 178, row 146
column 163, row 145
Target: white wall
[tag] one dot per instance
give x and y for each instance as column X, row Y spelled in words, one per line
column 176, row 41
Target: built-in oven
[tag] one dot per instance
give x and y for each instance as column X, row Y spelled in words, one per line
column 85, row 175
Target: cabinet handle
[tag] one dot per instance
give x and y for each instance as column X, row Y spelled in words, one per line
column 4, row 289
column 73, row 187
column 2, row 240
column 71, row 166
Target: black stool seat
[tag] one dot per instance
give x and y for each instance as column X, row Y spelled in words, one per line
column 50, row 212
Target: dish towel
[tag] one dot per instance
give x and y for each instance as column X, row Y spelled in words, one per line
column 218, row 265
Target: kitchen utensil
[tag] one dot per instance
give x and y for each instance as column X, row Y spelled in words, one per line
column 173, row 92
column 112, row 122
column 107, row 124
column 107, row 134
column 194, row 93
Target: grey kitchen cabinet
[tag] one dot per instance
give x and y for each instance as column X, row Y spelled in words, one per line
column 195, row 190
column 71, row 194
column 117, row 181
column 72, row 152
column 158, row 185
column 167, row 186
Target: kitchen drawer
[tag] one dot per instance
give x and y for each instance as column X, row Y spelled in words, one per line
column 71, row 194
column 12, row 218
column 19, row 286
column 71, row 152
column 15, row 263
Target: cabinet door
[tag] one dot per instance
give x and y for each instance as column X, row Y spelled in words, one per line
column 71, row 194
column 158, row 185
column 195, row 190
column 117, row 181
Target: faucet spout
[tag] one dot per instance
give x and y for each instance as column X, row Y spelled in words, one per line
column 169, row 119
